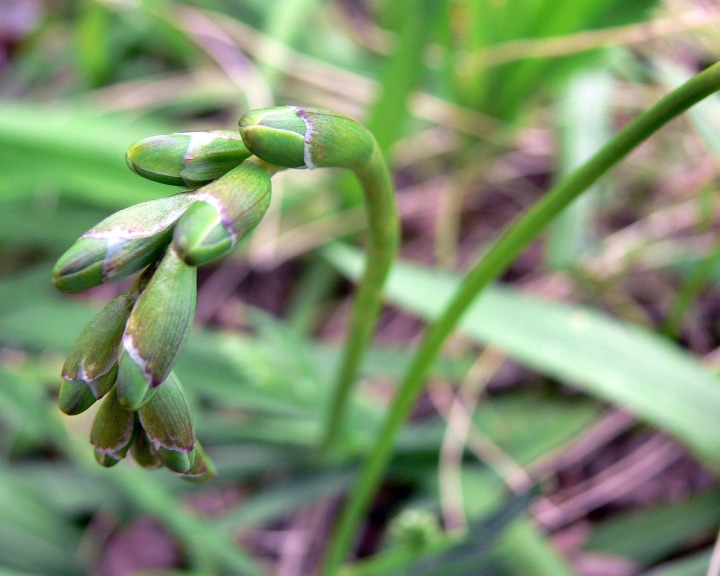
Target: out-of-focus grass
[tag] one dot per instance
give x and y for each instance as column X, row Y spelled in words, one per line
column 464, row 96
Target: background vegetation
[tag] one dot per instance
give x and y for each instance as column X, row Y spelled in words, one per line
column 573, row 427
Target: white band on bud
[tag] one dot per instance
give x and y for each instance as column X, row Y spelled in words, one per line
column 309, row 132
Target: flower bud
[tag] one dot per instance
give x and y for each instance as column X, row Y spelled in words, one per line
column 297, row 137
column 122, row 244
column 167, row 421
column 112, row 431
column 142, row 451
column 202, row 469
column 76, row 396
column 225, row 211
column 156, row 329
column 90, row 368
column 187, row 158
column 133, row 388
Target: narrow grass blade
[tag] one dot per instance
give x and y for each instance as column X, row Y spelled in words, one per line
column 584, row 119
column 648, row 536
column 414, row 21
column 616, row 362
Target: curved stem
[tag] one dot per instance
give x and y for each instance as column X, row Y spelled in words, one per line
column 490, row 266
column 382, row 219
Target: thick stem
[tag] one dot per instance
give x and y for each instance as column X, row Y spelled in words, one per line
column 382, row 219
column 490, row 266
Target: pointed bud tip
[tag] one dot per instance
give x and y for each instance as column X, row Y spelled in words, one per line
column 106, row 460
column 186, row 158
column 75, row 397
column 176, row 460
column 81, row 266
column 159, row 158
column 112, row 431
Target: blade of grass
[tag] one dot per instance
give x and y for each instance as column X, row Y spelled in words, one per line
column 277, row 501
column 585, row 118
column 451, row 555
column 648, row 536
column 81, row 149
column 703, row 118
column 694, row 565
column 526, row 551
column 207, row 546
column 284, row 22
column 93, row 36
column 518, row 81
column 573, row 344
column 414, row 21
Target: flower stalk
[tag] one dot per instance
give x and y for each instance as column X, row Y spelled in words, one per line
column 296, row 137
column 487, row 269
column 126, row 355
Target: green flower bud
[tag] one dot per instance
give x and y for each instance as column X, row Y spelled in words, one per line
column 142, row 451
column 76, row 396
column 120, row 245
column 297, row 137
column 133, row 388
column 200, row 235
column 187, row 158
column 176, row 460
column 167, row 421
column 90, row 369
column 224, row 212
column 202, row 469
column 156, row 329
column 112, row 431
column 277, row 135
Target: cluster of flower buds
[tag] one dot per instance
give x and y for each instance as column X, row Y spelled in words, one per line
column 126, row 354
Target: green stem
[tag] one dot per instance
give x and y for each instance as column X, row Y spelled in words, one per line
column 490, row 266
column 382, row 219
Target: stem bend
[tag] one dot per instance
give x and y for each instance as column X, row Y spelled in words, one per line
column 487, row 269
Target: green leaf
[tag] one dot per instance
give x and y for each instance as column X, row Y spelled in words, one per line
column 34, row 535
column 82, row 152
column 616, row 362
column 648, row 536
column 584, row 119
column 695, row 565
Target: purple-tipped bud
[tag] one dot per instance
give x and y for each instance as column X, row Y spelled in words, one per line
column 90, row 368
column 120, row 245
column 76, row 396
column 156, row 330
column 167, row 421
column 224, row 212
column 112, row 431
column 297, row 137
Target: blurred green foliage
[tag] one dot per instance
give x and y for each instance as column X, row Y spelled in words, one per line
column 465, row 97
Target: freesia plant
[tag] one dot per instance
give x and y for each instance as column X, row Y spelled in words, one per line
column 126, row 355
